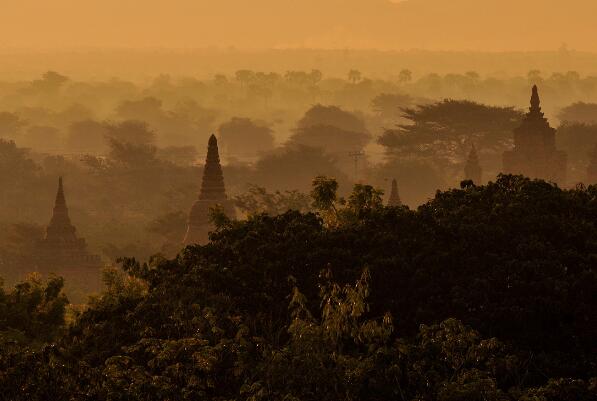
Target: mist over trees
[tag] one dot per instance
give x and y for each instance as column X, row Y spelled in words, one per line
column 315, row 274
column 245, row 138
column 319, row 200
column 132, row 152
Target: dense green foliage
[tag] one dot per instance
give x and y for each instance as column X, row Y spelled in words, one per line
column 483, row 293
column 32, row 312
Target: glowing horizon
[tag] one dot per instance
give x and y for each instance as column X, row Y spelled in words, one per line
column 456, row 25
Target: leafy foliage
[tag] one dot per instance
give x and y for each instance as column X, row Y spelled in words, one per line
column 379, row 306
column 33, row 311
column 580, row 113
column 245, row 137
column 258, row 200
column 330, row 128
column 444, row 131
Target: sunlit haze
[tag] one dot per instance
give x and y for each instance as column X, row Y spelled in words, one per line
column 298, row 200
column 488, row 25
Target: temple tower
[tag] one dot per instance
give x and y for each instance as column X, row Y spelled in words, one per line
column 472, row 168
column 62, row 251
column 60, row 232
column 394, row 199
column 213, row 192
column 535, row 154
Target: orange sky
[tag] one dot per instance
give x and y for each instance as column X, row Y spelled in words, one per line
column 492, row 25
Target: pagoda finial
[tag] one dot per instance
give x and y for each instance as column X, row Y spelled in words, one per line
column 394, row 199
column 535, row 101
column 212, row 186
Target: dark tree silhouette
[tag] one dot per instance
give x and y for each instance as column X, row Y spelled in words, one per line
column 243, row 137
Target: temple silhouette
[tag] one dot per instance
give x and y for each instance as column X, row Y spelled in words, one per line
column 394, row 199
column 212, row 194
column 535, row 154
column 61, row 250
column 472, row 168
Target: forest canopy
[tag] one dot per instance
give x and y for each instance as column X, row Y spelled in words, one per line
column 484, row 292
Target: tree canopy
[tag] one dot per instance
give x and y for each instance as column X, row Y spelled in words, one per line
column 483, row 293
column 444, row 131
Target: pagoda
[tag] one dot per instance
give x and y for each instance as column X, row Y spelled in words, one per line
column 472, row 168
column 535, row 154
column 61, row 250
column 394, row 199
column 212, row 194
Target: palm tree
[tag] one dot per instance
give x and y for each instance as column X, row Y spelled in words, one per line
column 244, row 77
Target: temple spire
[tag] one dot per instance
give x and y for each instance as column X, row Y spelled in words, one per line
column 535, row 102
column 60, row 228
column 212, row 194
column 60, row 215
column 394, row 199
column 472, row 168
column 212, row 186
column 535, row 154
column 62, row 251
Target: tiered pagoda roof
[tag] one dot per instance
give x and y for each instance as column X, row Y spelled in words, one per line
column 535, row 154
column 61, row 249
column 212, row 194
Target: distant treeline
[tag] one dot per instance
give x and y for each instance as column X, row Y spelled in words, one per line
column 131, row 153
column 139, row 65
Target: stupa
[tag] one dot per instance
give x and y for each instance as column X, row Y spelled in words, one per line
column 535, row 154
column 61, row 250
column 212, row 194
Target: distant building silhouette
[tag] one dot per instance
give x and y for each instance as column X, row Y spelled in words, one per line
column 62, row 251
column 535, row 154
column 472, row 168
column 212, row 193
column 394, row 199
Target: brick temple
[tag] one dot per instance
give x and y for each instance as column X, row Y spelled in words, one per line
column 62, row 251
column 535, row 154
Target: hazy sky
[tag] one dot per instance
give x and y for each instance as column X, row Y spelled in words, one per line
column 427, row 24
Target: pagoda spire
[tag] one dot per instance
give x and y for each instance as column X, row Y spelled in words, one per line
column 535, row 108
column 62, row 251
column 212, row 186
column 472, row 168
column 212, row 194
column 394, row 199
column 60, row 214
column 60, row 227
column 535, row 154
